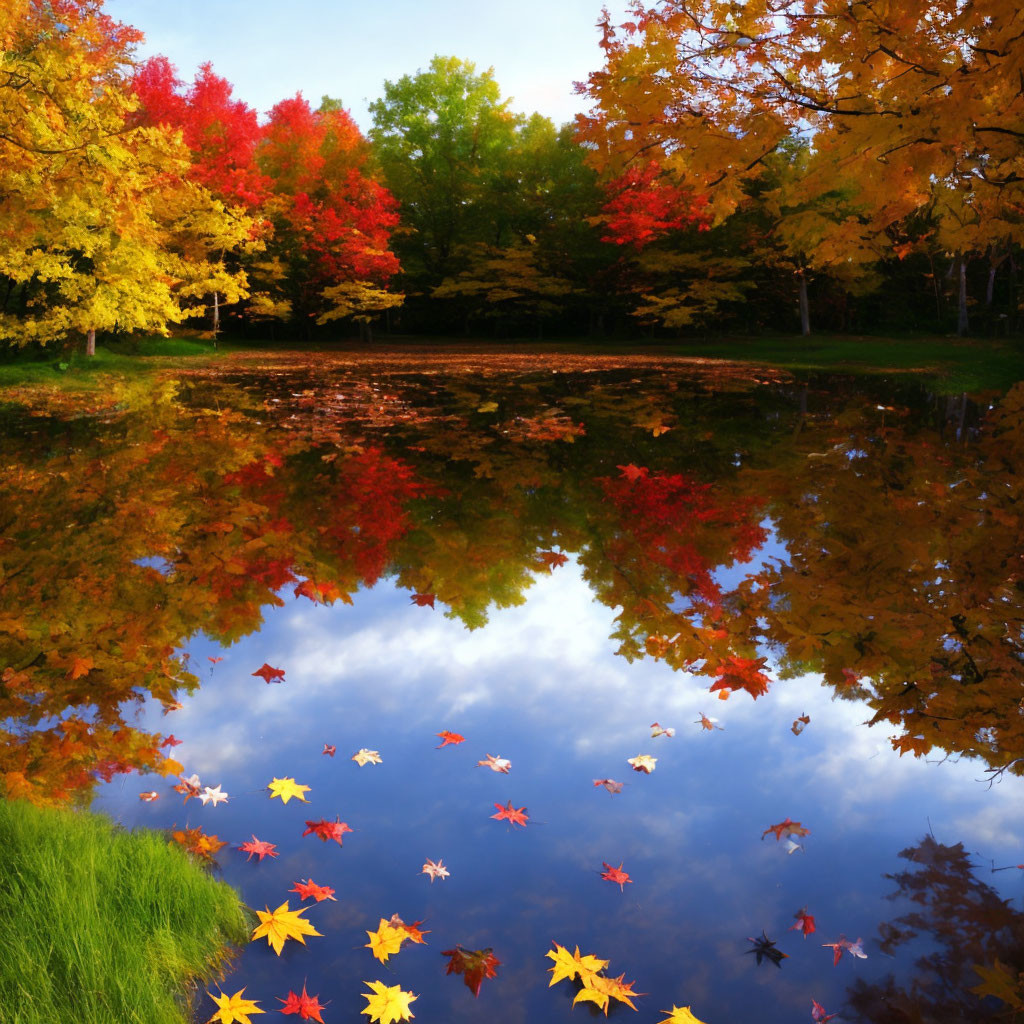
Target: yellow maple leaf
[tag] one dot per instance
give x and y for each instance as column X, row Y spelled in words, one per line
column 286, row 789
column 232, row 1009
column 679, row 1015
column 601, row 990
column 387, row 939
column 364, row 757
column 569, row 966
column 642, row 763
column 283, row 924
column 388, row 1004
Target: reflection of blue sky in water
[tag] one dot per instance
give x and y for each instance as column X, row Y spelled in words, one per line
column 541, row 686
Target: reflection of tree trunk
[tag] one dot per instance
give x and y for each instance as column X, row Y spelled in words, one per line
column 216, row 317
column 90, row 342
column 961, row 320
column 805, row 312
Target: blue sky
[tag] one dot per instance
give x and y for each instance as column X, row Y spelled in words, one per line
column 271, row 50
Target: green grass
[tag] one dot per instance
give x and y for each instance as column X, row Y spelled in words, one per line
column 103, row 925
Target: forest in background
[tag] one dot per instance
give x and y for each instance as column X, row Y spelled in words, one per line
column 743, row 167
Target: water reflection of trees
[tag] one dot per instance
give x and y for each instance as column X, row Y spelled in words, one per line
column 970, row 933
column 189, row 514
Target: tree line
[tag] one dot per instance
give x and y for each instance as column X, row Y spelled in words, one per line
column 746, row 167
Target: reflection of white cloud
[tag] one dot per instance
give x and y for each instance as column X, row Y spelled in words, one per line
column 997, row 824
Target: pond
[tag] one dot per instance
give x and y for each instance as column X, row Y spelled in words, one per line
column 812, row 588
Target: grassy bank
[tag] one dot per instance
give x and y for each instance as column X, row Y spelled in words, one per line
column 102, row 925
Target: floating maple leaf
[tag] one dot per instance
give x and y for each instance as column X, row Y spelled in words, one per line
column 171, row 741
column 423, row 600
column 150, row 796
column 632, row 473
column 171, row 705
column 791, row 847
column 449, row 737
column 799, row 724
column 412, row 931
column 596, row 988
column 517, row 816
column 306, row 1006
column 387, row 1004
column 212, row 660
column 610, row 784
column 437, row 870
column 708, row 723
column 329, row 749
column 837, row 947
column 282, row 924
column 327, row 829
column 804, row 922
column 642, row 763
column 213, row 795
column 786, row 828
column 190, row 787
column 286, row 789
column 258, row 847
column 474, row 966
column 309, row 889
column 818, row 1014
column 741, row 674
column 496, row 764
column 679, row 1015
column 363, row 757
column 197, row 842
column 270, row 675
column 232, row 1009
column 661, row 730
column 764, row 949
column 386, row 940
column 616, row 875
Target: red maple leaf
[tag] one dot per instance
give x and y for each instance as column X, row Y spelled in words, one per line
column 423, row 600
column 633, row 473
column 327, row 830
column 474, row 965
column 786, row 828
column 270, row 675
column 853, row 948
column 552, row 559
column 171, row 741
column 309, row 888
column 741, row 674
column 804, row 922
column 449, row 737
column 329, row 749
column 306, row 1006
column 213, row 661
column 259, row 847
column 610, row 784
column 818, row 1014
column 411, row 930
column 616, row 875
column 517, row 816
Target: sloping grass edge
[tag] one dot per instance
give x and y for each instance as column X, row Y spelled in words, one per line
column 102, row 924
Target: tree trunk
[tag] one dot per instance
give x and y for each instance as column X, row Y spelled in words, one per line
column 961, row 319
column 90, row 342
column 805, row 311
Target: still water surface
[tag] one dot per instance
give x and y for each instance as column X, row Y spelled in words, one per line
column 546, row 564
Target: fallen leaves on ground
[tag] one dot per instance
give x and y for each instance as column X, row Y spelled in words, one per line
column 798, row 725
column 764, row 949
column 437, row 870
column 282, row 924
column 258, row 847
column 804, row 922
column 786, row 828
column 286, row 789
column 364, row 757
column 197, row 842
column 516, row 815
column 495, row 763
column 306, row 1006
column 595, row 987
column 610, row 784
column 843, row 944
column 233, row 1009
column 642, row 763
column 388, row 1004
column 327, row 830
column 616, row 875
column 449, row 737
column 309, row 888
column 474, row 965
column 269, row 674
column 661, row 730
